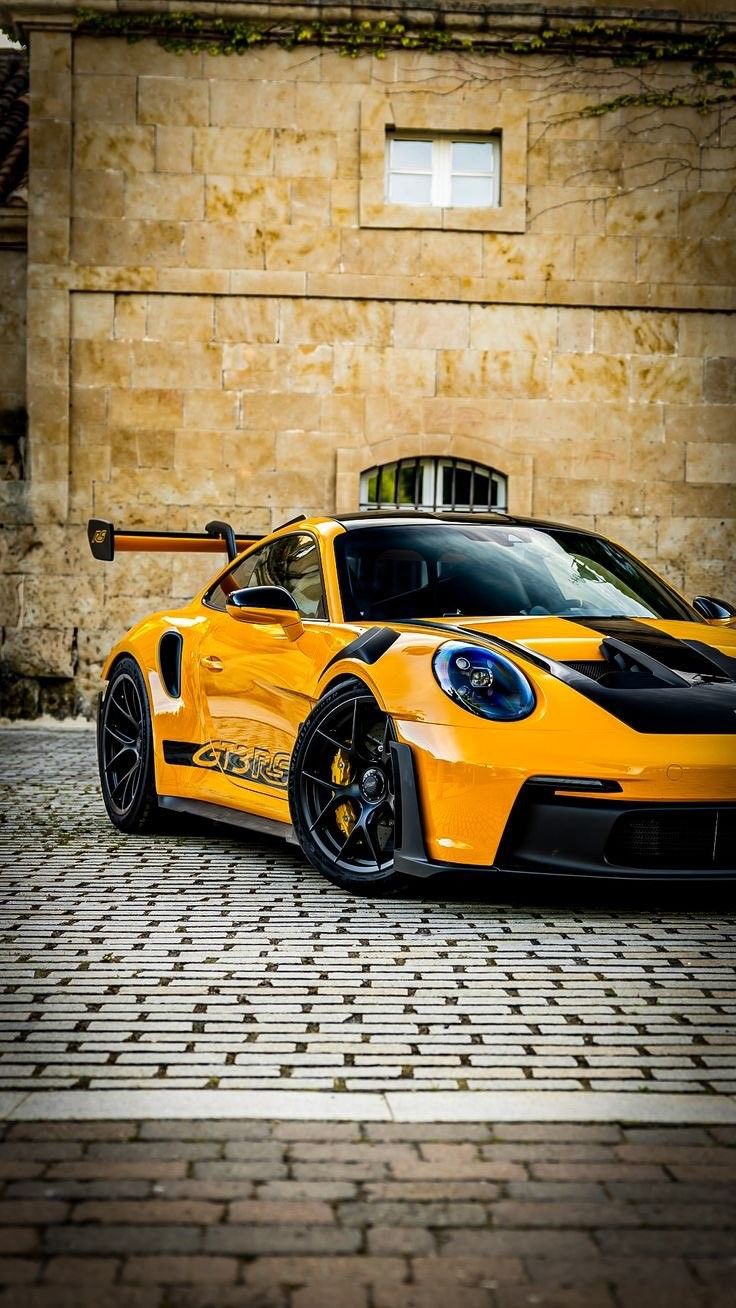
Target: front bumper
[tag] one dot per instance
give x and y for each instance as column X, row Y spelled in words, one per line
column 551, row 832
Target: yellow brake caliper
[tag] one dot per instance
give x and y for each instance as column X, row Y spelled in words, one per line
column 341, row 773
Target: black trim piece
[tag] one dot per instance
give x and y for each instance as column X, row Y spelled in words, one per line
column 223, row 531
column 611, row 647
column 405, row 517
column 180, row 752
column 231, row 816
column 410, row 853
column 367, row 648
column 597, row 784
column 170, row 649
column 723, row 662
column 298, row 517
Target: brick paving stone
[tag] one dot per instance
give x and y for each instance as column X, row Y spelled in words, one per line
column 122, row 1240
column 70, row 1191
column 76, row 1296
column 176, row 1212
column 280, row 1239
column 17, row 1271
column 181, row 1271
column 304, row 1212
column 32, row 1212
column 128, row 1170
column 399, row 1240
column 522, row 1243
column 18, row 1240
column 87, row 1271
column 429, row 1297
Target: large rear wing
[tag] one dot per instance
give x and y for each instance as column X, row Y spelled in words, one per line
column 105, row 540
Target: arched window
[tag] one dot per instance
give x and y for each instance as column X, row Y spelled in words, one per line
column 435, row 483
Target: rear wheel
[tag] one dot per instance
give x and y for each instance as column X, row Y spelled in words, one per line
column 125, row 751
column 342, row 791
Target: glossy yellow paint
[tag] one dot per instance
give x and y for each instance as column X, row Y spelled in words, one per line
column 247, row 687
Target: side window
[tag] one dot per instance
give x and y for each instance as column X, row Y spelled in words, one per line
column 237, row 578
column 291, row 562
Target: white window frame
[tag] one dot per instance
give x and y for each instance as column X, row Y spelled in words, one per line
column 442, row 172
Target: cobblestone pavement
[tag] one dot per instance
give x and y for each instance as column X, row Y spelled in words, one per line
column 305, row 1215
column 207, row 958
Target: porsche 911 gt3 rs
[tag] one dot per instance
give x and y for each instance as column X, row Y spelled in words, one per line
column 410, row 693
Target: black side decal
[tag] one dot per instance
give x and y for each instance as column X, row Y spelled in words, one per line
column 241, row 763
column 170, row 649
column 368, row 648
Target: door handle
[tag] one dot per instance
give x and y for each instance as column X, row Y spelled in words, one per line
column 211, row 662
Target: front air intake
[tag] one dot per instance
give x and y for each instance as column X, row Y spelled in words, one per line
column 697, row 838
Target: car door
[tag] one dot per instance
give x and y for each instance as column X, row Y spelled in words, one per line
column 257, row 681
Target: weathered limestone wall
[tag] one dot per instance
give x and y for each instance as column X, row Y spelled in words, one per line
column 12, row 408
column 221, row 322
column 12, row 360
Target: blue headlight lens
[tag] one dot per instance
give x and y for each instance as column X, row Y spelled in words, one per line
column 483, row 682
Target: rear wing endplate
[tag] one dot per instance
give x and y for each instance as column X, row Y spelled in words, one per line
column 105, row 540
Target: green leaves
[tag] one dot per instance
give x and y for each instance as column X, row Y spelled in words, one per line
column 709, row 53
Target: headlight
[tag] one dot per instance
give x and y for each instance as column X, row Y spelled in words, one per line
column 483, row 682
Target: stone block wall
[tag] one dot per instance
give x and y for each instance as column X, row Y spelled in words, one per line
column 221, row 324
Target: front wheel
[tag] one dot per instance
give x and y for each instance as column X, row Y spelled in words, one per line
column 342, row 791
column 125, row 751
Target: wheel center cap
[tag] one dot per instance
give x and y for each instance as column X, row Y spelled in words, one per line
column 373, row 784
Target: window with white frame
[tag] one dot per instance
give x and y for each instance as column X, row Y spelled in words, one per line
column 447, row 172
column 434, row 483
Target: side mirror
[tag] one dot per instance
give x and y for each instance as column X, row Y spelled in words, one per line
column 266, row 606
column 714, row 610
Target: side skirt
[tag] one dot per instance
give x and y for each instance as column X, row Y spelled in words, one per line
column 234, row 817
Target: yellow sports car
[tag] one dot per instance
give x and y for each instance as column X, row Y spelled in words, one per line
column 410, row 693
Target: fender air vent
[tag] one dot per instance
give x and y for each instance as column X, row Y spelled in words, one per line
column 170, row 649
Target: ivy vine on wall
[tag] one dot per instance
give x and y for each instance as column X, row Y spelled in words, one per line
column 708, row 55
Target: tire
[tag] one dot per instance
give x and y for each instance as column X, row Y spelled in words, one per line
column 125, row 751
column 342, row 791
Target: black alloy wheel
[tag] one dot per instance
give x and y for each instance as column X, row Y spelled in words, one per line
column 125, row 751
column 342, row 791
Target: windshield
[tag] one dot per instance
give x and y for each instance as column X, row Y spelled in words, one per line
column 428, row 570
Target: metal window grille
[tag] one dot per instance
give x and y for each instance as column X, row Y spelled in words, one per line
column 434, row 483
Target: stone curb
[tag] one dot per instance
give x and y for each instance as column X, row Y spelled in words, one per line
column 412, row 1106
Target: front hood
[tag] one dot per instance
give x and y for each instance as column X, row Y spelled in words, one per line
column 580, row 639
column 654, row 675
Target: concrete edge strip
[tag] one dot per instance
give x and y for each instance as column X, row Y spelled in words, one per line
column 406, row 1106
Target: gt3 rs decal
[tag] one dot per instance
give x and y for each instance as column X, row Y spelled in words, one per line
column 243, row 764
column 240, row 763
